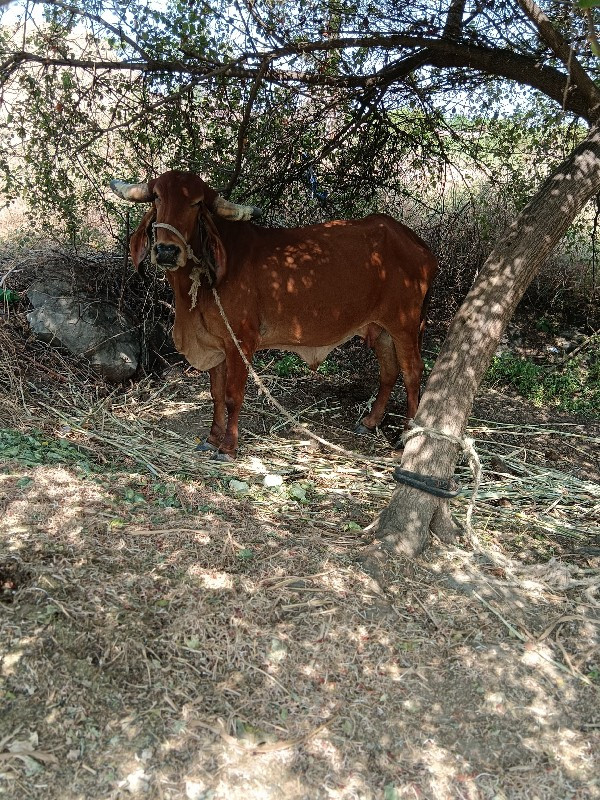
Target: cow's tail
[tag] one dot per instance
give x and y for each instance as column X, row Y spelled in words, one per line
column 424, row 307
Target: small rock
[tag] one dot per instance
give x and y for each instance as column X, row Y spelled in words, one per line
column 278, row 651
column 197, row 791
column 146, row 754
column 239, row 487
column 136, row 782
column 272, row 481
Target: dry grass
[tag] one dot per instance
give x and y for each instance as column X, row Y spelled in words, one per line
column 172, row 628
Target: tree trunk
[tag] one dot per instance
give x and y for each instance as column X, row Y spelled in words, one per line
column 404, row 525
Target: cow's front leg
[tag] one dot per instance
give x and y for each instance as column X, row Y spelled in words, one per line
column 235, row 385
column 217, row 377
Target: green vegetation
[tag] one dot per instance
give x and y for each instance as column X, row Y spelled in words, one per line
column 573, row 386
column 39, row 448
column 288, row 365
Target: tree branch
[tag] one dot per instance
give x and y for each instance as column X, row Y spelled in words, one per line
column 438, row 52
column 453, row 26
column 244, row 125
column 95, row 18
column 564, row 51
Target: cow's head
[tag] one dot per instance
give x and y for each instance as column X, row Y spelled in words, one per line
column 181, row 208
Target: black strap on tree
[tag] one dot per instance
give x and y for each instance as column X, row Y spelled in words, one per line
column 439, row 487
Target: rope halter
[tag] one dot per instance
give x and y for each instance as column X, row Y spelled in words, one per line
column 188, row 247
column 199, row 267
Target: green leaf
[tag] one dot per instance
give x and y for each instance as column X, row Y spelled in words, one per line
column 9, row 296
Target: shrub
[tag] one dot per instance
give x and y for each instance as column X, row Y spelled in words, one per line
column 573, row 386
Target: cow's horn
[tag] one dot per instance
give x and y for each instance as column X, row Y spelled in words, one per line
column 134, row 192
column 233, row 211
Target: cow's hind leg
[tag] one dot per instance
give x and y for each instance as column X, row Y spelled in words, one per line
column 218, row 376
column 389, row 369
column 408, row 351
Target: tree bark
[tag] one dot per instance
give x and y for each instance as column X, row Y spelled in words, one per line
column 404, row 525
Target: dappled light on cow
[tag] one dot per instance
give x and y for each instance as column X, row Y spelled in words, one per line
column 240, row 288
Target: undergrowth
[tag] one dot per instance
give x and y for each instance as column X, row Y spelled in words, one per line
column 288, row 365
column 572, row 386
column 38, row 448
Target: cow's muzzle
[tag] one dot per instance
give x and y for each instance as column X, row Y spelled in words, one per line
column 167, row 255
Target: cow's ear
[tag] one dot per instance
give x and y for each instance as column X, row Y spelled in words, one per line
column 139, row 244
column 216, row 245
column 220, row 259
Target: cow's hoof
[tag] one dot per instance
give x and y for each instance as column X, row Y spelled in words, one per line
column 363, row 430
column 205, row 447
column 223, row 457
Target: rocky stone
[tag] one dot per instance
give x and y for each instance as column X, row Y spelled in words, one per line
column 86, row 326
column 272, row 481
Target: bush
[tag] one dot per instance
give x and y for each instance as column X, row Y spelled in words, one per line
column 574, row 386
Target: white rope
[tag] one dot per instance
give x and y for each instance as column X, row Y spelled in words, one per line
column 196, row 278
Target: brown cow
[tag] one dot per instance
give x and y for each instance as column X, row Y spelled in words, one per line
column 307, row 290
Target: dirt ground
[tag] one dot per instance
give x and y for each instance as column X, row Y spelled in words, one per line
column 174, row 628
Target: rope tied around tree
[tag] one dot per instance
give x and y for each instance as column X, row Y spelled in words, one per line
column 467, row 447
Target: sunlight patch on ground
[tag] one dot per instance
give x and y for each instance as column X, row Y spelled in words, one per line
column 174, row 409
column 540, row 658
column 444, row 768
column 51, row 500
column 215, row 581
